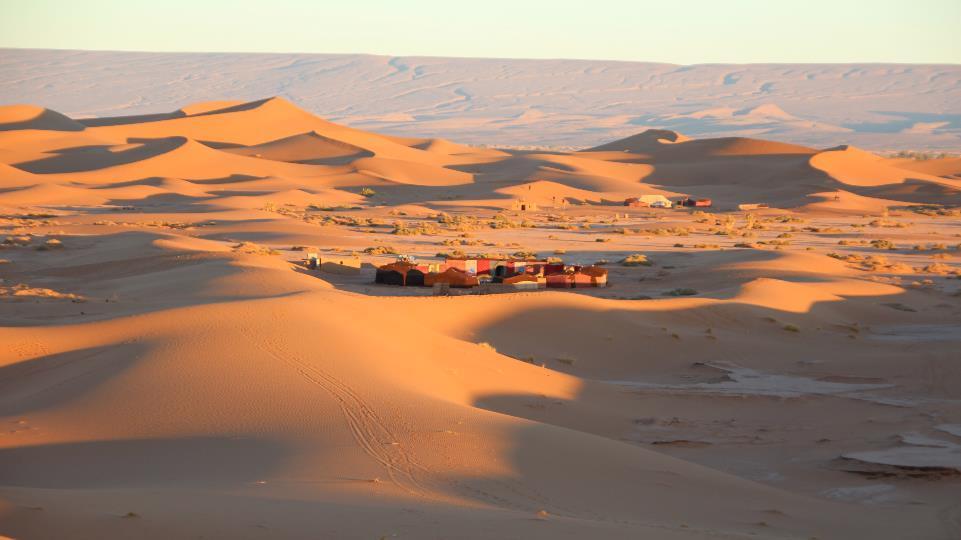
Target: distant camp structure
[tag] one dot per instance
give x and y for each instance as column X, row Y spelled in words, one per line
column 522, row 205
column 472, row 272
column 333, row 265
column 701, row 203
column 648, row 201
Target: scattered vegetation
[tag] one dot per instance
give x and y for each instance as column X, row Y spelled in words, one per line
column 636, row 259
column 381, row 250
column 252, row 248
column 682, row 291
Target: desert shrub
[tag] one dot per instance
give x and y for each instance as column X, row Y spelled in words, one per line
column 883, row 244
column 252, row 248
column 681, row 291
column 636, row 259
column 367, row 192
column 380, row 250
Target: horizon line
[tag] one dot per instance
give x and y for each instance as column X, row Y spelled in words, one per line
column 547, row 59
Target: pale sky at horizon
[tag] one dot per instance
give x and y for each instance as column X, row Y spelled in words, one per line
column 684, row 32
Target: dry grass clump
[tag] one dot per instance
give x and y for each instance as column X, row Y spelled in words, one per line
column 681, row 291
column 934, row 210
column 381, row 250
column 253, row 248
column 706, row 246
column 560, row 251
column 636, row 259
column 930, row 247
column 21, row 292
column 775, row 242
column 791, row 328
column 412, row 229
column 367, row 192
column 881, row 243
column 666, row 231
column 940, row 269
column 602, row 239
column 873, row 263
column 17, row 241
column 332, row 208
column 453, row 254
column 501, row 221
column 823, row 230
column 852, row 242
column 887, row 223
column 50, row 243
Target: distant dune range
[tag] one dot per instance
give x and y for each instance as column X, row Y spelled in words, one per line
column 266, row 145
column 547, row 103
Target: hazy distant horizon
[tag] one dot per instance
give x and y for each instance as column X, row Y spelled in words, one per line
column 517, row 102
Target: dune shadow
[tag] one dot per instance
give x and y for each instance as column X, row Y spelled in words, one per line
column 90, row 158
column 41, row 383
column 174, row 462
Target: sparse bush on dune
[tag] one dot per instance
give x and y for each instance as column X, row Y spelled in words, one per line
column 412, row 229
column 681, row 291
column 252, row 248
column 17, row 241
column 666, row 231
column 381, row 250
column 883, row 244
column 940, row 269
column 636, row 259
column 367, row 192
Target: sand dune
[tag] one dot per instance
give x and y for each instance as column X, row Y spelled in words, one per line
column 19, row 117
column 171, row 369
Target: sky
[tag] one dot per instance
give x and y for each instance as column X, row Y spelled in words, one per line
column 680, row 31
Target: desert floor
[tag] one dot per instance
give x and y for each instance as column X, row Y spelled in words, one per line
column 169, row 367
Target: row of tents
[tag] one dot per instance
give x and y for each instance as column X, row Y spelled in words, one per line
column 466, row 273
column 660, row 201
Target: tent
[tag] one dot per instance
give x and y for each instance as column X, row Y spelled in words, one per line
column 393, row 273
column 451, row 276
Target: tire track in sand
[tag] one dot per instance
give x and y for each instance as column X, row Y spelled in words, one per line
column 367, row 428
